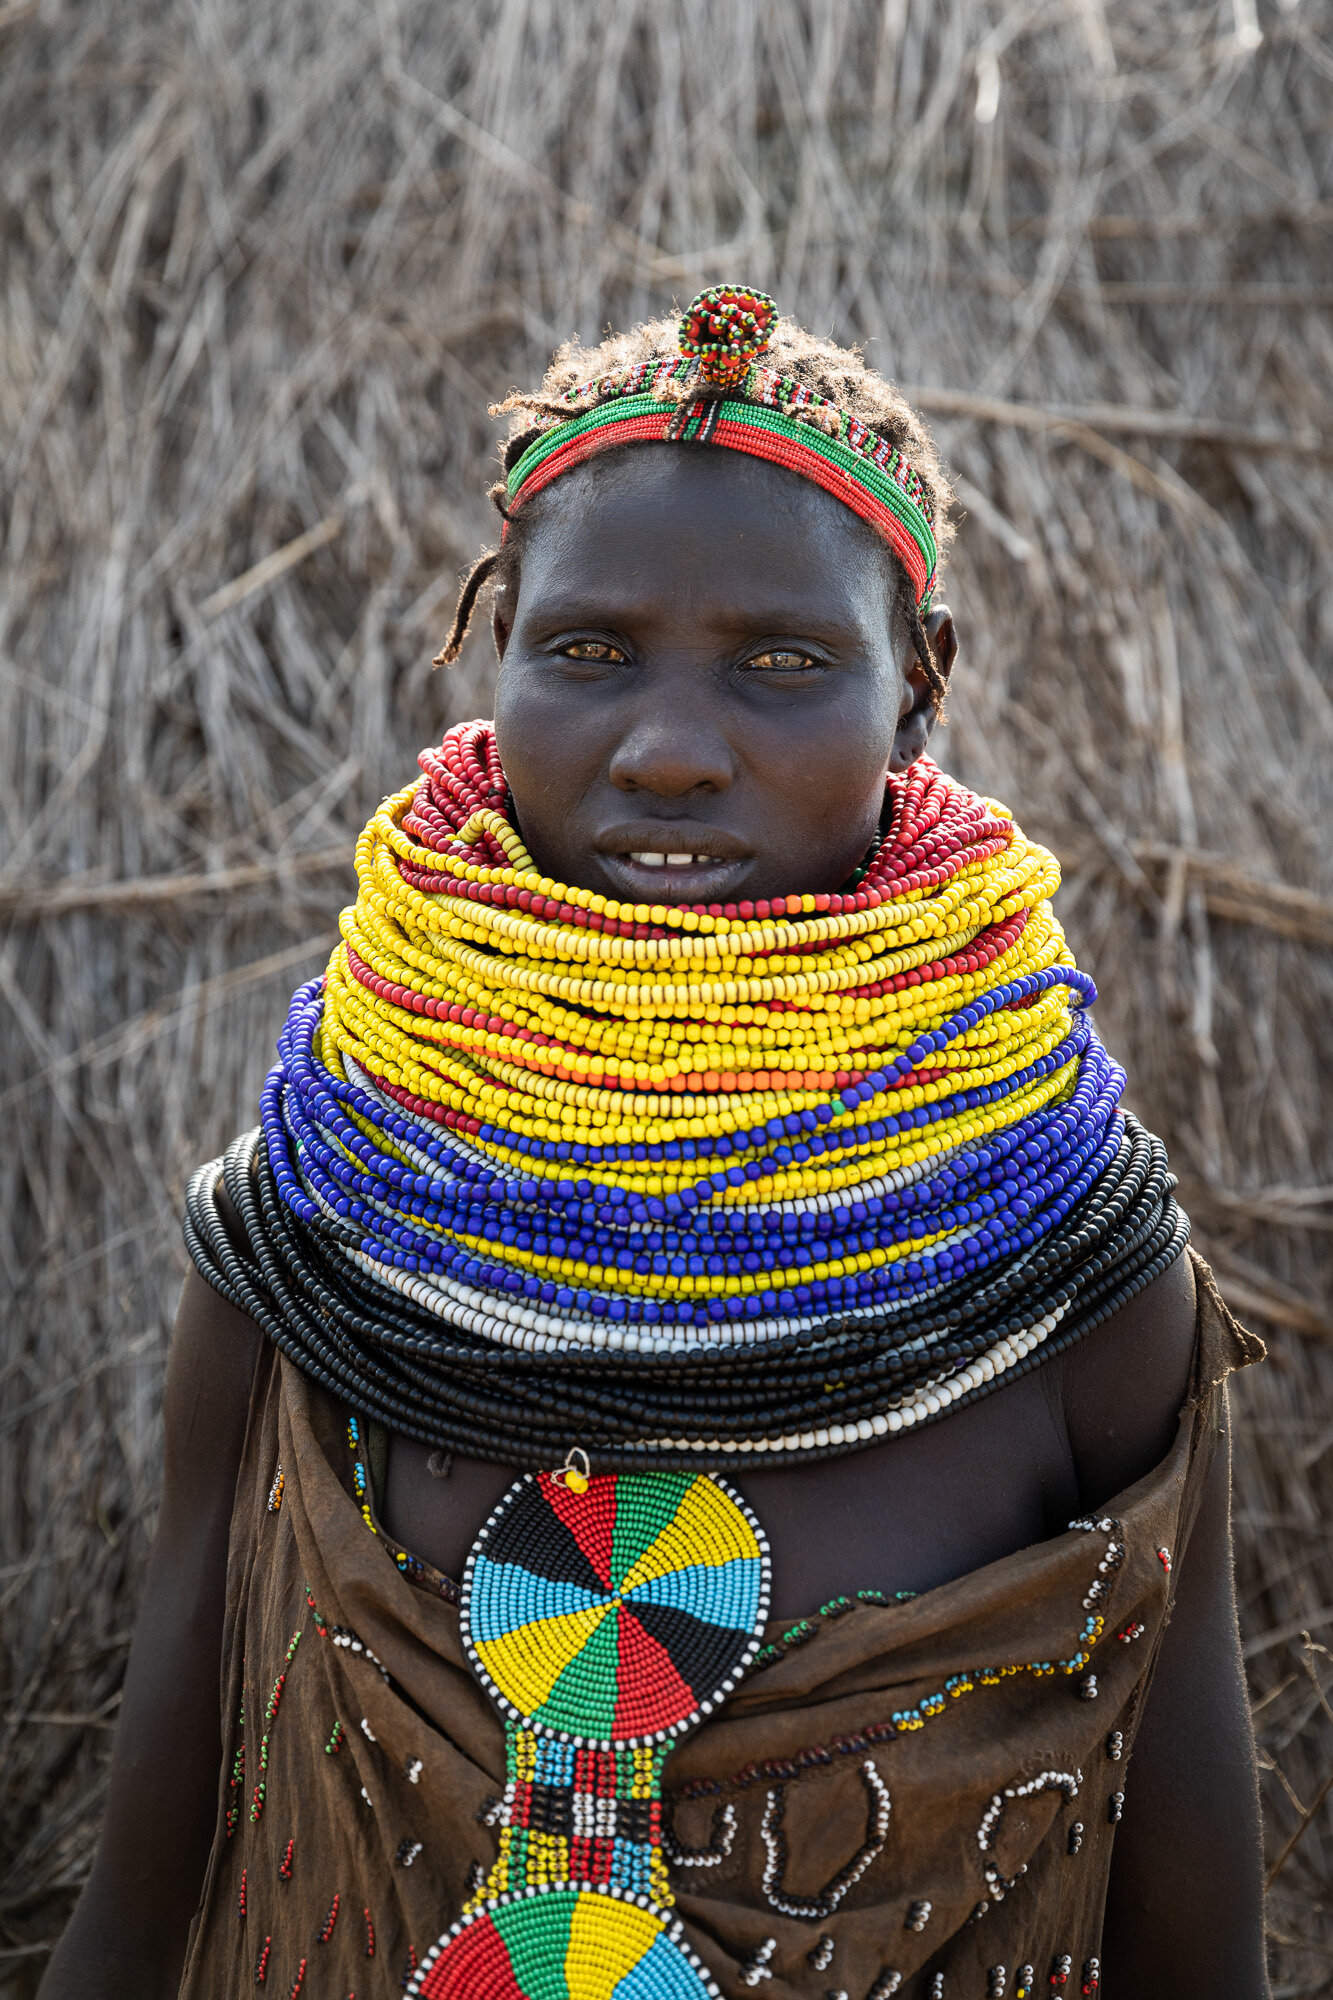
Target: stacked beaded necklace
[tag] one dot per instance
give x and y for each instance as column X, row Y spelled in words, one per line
column 538, row 1169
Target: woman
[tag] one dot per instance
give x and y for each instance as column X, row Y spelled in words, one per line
column 696, row 1410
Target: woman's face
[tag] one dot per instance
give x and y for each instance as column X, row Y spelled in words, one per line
column 703, row 684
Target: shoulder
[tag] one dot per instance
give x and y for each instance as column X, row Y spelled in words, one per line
column 1123, row 1385
column 215, row 1351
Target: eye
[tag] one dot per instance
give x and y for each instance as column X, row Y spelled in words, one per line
column 598, row 651
column 783, row 660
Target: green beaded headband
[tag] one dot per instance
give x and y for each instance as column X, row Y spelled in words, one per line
column 718, row 393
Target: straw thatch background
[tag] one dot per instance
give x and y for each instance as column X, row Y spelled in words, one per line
column 262, row 268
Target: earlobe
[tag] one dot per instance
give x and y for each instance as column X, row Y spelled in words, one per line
column 913, row 734
column 500, row 629
column 916, row 725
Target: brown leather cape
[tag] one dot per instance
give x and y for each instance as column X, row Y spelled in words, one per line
column 999, row 1710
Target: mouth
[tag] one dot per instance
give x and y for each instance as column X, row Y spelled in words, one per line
column 672, row 864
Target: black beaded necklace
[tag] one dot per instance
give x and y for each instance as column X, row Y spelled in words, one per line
column 395, row 1363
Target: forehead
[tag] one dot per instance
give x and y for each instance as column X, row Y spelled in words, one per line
column 657, row 525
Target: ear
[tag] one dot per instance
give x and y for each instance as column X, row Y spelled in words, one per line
column 918, row 716
column 501, row 626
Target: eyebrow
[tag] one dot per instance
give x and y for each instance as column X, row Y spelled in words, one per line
column 773, row 615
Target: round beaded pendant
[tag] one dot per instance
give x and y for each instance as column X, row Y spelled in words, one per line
column 619, row 1614
column 564, row 1944
column 605, row 1616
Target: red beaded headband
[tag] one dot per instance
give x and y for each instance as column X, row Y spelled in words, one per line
column 718, row 393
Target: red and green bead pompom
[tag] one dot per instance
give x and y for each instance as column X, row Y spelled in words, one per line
column 724, row 330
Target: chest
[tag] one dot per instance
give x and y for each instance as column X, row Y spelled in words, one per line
column 903, row 1515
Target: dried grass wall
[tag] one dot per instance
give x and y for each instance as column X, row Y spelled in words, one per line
column 263, row 266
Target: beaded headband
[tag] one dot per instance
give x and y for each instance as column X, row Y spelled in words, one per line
column 719, row 393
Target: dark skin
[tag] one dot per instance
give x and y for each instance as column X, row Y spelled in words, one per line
column 706, row 657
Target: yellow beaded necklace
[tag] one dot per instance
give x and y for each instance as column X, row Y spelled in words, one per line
column 706, row 1024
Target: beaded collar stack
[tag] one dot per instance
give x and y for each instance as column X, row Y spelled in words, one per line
column 540, row 1170
column 720, row 393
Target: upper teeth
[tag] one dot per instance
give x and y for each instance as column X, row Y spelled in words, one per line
column 670, row 860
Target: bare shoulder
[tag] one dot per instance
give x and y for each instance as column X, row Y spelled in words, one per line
column 210, row 1374
column 1123, row 1385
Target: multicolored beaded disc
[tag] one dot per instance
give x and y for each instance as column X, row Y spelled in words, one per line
column 606, row 1617
column 620, row 1614
column 564, row 1944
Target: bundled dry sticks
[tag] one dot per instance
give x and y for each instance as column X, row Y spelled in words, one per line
column 263, row 269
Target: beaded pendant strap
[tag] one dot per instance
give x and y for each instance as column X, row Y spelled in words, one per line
column 605, row 1617
column 719, row 393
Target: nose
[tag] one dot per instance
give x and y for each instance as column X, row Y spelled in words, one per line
column 671, row 757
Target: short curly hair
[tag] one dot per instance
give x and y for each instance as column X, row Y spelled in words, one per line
column 837, row 374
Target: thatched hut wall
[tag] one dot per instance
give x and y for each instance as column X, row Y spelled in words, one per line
column 264, row 266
